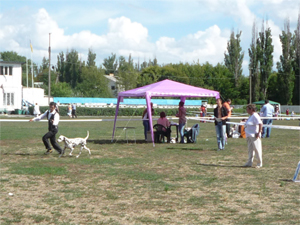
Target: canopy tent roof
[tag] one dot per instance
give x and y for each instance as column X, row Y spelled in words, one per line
column 169, row 88
column 165, row 88
column 262, row 102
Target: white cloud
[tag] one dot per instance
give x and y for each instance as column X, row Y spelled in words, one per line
column 123, row 37
column 208, row 45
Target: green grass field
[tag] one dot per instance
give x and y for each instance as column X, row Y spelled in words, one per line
column 135, row 183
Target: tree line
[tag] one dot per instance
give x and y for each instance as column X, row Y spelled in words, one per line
column 71, row 76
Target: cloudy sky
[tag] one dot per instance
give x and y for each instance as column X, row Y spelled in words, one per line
column 172, row 31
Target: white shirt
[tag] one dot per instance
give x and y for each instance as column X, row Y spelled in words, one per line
column 252, row 125
column 56, row 117
column 36, row 110
column 267, row 110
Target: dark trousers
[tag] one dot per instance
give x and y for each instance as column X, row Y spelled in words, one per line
column 51, row 135
column 74, row 113
column 146, row 127
column 228, row 128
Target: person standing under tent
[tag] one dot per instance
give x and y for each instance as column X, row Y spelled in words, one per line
column 182, row 120
column 287, row 111
column 53, row 119
column 74, row 111
column 253, row 129
column 220, row 114
column 146, row 122
column 267, row 111
column 226, row 104
column 36, row 110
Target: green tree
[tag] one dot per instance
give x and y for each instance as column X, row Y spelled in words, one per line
column 149, row 75
column 173, row 72
column 127, row 76
column 296, row 64
column 61, row 89
column 273, row 89
column 61, row 66
column 94, row 83
column 110, row 64
column 91, row 58
column 253, row 65
column 234, row 58
column 285, row 76
column 195, row 72
column 72, row 68
column 265, row 57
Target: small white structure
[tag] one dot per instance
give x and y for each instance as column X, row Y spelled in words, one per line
column 10, row 85
column 35, row 95
column 113, row 85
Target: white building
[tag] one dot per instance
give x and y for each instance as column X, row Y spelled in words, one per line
column 35, row 95
column 113, row 85
column 10, row 85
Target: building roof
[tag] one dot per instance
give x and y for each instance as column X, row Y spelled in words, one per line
column 11, row 62
column 112, row 78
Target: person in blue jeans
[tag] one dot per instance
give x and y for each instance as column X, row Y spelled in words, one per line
column 267, row 111
column 182, row 120
column 221, row 114
column 146, row 123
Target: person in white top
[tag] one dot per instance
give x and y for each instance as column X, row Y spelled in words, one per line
column 253, row 129
column 36, row 111
column 53, row 120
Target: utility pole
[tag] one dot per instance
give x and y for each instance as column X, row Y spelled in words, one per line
column 27, row 71
column 49, row 75
column 250, row 86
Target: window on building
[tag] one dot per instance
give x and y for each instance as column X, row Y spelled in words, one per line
column 10, row 70
column 4, row 99
column 1, row 70
column 8, row 99
column 113, row 87
column 12, row 99
column 6, row 70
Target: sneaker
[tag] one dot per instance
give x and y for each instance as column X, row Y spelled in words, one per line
column 48, row 152
column 257, row 167
column 247, row 165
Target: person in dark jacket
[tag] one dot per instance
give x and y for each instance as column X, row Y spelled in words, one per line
column 221, row 114
column 53, row 119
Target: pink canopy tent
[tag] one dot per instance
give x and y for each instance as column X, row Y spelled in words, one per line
column 165, row 88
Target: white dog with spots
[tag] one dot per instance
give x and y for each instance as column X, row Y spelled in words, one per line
column 71, row 143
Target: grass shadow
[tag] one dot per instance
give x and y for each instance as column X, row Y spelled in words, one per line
column 106, row 141
column 189, row 149
column 286, row 180
column 21, row 154
column 215, row 165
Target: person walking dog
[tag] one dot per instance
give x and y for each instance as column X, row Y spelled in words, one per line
column 53, row 119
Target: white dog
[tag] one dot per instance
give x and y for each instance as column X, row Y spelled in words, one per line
column 71, row 143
